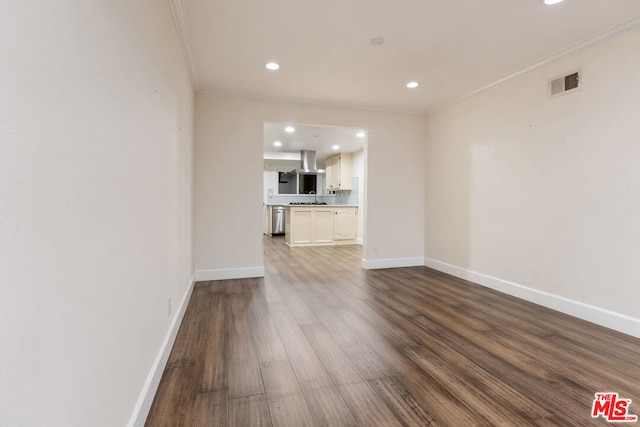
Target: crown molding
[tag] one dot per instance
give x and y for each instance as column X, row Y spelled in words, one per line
column 177, row 10
column 608, row 34
column 611, row 33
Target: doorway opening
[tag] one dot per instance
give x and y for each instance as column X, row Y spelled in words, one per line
column 321, row 165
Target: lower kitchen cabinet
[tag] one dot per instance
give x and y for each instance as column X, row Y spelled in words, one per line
column 302, row 223
column 321, row 225
column 345, row 224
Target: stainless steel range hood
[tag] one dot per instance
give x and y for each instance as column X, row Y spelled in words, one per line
column 308, row 164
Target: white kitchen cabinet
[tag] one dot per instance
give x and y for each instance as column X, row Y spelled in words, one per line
column 320, row 225
column 345, row 225
column 339, row 172
column 302, row 223
column 328, row 174
column 309, row 225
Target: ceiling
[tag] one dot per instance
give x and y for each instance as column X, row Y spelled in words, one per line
column 321, row 139
column 452, row 48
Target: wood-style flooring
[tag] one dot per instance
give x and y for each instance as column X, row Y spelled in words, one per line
column 321, row 342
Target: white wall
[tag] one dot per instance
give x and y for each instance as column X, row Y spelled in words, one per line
column 544, row 192
column 358, row 172
column 229, row 178
column 96, row 114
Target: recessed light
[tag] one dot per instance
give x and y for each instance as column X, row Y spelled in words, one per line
column 336, row 147
column 272, row 66
column 413, row 85
column 277, row 144
column 289, row 129
column 551, row 2
column 360, row 134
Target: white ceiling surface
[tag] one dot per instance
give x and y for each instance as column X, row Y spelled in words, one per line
column 321, row 139
column 451, row 47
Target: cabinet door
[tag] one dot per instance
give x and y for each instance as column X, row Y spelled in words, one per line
column 301, row 226
column 329, row 174
column 346, row 171
column 323, row 226
column 336, row 172
column 345, row 224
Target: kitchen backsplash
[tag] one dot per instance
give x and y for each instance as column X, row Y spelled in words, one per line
column 340, row 198
column 348, row 197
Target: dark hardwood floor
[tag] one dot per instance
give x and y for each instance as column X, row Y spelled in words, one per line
column 320, row 341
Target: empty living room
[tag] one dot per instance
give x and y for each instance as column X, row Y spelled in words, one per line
column 285, row 213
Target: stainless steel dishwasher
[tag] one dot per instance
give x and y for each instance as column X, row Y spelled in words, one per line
column 277, row 220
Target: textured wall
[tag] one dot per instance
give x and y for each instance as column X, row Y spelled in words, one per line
column 96, row 113
column 544, row 192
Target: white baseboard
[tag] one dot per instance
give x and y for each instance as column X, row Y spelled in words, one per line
column 229, row 273
column 143, row 405
column 374, row 264
column 609, row 319
column 360, row 241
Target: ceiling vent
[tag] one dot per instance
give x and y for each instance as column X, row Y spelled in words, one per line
column 564, row 84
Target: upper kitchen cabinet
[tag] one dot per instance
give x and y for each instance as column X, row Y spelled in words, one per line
column 339, row 172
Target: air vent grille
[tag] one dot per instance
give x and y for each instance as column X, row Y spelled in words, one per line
column 571, row 81
column 564, row 83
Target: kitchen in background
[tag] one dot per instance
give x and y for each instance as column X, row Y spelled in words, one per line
column 309, row 167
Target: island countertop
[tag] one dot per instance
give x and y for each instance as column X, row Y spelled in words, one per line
column 318, row 206
column 287, row 205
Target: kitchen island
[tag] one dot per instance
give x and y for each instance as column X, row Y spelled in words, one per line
column 317, row 225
